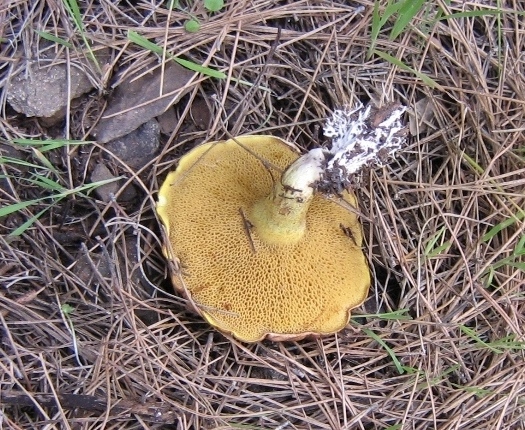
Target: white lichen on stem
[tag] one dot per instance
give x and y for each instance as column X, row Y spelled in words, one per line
column 361, row 136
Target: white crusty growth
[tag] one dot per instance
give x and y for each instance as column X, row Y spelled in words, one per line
column 361, row 136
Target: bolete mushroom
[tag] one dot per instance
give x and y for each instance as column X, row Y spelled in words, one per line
column 268, row 242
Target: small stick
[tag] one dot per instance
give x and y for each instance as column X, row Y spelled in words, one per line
column 247, row 229
column 157, row 412
column 348, row 232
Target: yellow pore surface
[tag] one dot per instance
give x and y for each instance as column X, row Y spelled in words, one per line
column 277, row 291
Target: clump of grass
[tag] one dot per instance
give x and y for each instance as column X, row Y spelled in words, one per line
column 46, row 178
column 405, row 10
column 403, row 14
column 498, row 346
column 73, row 10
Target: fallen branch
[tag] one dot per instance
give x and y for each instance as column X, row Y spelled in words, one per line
column 157, row 412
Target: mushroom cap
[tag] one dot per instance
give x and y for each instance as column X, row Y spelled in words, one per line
column 240, row 284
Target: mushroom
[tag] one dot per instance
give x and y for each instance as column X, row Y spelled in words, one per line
column 268, row 243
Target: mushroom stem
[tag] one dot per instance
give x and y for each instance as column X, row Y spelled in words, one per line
column 361, row 136
column 280, row 218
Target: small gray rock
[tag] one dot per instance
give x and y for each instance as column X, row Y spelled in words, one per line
column 43, row 91
column 139, row 147
column 137, row 100
column 168, row 121
column 105, row 192
column 92, row 269
column 123, row 193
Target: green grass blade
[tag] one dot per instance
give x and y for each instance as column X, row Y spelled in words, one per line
column 144, row 43
column 150, row 46
column 432, row 249
column 409, row 9
column 48, row 145
column 46, row 183
column 472, row 334
column 22, row 228
column 87, row 188
column 400, row 368
column 15, row 207
column 503, row 225
column 52, row 38
column 391, row 8
column 200, row 69
column 473, row 164
column 438, row 250
column 39, row 142
column 376, row 28
column 477, row 13
column 519, row 249
column 45, row 162
column 508, row 261
column 480, row 392
column 509, row 342
column 74, row 12
column 427, row 80
column 432, row 382
column 400, row 314
column 379, row 21
column 249, row 84
column 519, row 265
column 431, row 243
column 16, row 161
column 9, row 209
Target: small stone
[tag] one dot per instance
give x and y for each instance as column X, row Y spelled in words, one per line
column 201, row 114
column 127, row 193
column 105, row 192
column 44, row 92
column 139, row 147
column 93, row 268
column 138, row 99
column 168, row 121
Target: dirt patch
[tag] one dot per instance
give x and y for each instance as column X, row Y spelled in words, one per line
column 91, row 332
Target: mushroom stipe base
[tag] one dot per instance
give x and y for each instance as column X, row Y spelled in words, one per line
column 251, row 274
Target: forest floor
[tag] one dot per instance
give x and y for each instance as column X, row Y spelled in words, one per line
column 95, row 111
